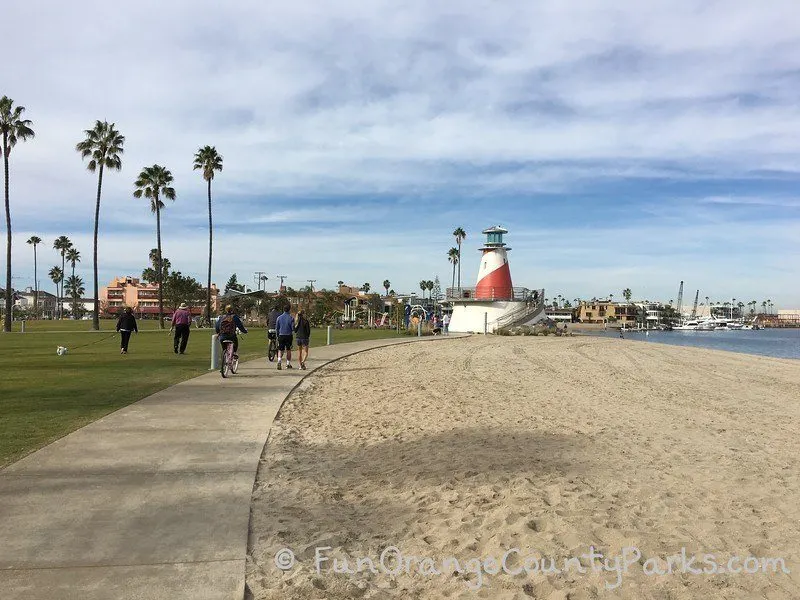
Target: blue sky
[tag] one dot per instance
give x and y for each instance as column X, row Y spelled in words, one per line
column 622, row 144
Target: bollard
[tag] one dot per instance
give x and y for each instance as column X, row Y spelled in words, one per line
column 23, row 327
column 329, row 336
column 419, row 328
column 214, row 352
column 485, row 323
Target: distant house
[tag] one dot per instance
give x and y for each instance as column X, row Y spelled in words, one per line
column 47, row 301
column 142, row 297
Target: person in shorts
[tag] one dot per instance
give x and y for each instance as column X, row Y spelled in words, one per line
column 285, row 328
column 303, row 330
column 272, row 319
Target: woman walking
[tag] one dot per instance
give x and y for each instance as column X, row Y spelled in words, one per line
column 126, row 324
column 303, row 330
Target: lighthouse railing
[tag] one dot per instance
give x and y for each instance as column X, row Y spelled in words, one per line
column 518, row 294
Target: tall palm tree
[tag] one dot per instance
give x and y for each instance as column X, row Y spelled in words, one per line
column 340, row 283
column 154, row 183
column 56, row 274
column 429, row 285
column 452, row 256
column 460, row 236
column 627, row 294
column 103, row 146
column 208, row 160
column 35, row 241
column 387, row 284
column 423, row 285
column 13, row 128
column 73, row 256
column 75, row 288
column 62, row 244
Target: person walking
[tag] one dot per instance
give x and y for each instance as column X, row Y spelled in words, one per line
column 446, row 323
column 181, row 323
column 285, row 329
column 126, row 324
column 303, row 330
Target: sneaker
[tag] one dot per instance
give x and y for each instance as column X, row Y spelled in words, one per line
column 121, row 351
column 289, row 366
column 279, row 366
column 303, row 366
column 176, row 350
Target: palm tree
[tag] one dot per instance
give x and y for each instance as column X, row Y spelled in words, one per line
column 62, row 244
column 460, row 236
column 13, row 128
column 74, row 287
column 56, row 274
column 366, row 287
column 103, row 146
column 452, row 256
column 429, row 285
column 340, row 283
column 73, row 257
column 387, row 284
column 627, row 294
column 423, row 285
column 154, row 183
column 208, row 160
column 34, row 241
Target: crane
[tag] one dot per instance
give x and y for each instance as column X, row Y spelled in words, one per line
column 694, row 308
column 680, row 299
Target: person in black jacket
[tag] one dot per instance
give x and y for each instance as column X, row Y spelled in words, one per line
column 126, row 324
column 302, row 329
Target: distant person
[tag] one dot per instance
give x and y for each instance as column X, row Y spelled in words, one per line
column 446, row 323
column 226, row 326
column 285, row 329
column 272, row 320
column 622, row 334
column 126, row 324
column 303, row 330
column 181, row 323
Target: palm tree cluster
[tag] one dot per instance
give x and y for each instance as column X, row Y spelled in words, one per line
column 102, row 147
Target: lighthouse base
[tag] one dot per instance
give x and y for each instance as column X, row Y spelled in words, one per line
column 473, row 316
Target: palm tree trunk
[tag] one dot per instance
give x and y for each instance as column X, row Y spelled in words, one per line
column 210, row 245
column 459, row 266
column 35, row 285
column 453, row 284
column 160, row 274
column 96, row 310
column 7, row 319
column 63, row 279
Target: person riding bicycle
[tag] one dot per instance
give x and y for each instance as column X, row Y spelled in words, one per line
column 272, row 322
column 226, row 326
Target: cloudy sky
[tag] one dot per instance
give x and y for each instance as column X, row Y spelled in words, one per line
column 623, row 144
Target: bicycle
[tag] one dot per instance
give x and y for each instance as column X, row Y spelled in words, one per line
column 272, row 349
column 230, row 361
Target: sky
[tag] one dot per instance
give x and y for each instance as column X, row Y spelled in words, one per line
column 622, row 144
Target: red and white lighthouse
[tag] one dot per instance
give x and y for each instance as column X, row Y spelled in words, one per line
column 494, row 275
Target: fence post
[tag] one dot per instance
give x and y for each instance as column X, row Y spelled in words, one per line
column 22, row 330
column 419, row 328
column 485, row 323
column 329, row 336
column 214, row 352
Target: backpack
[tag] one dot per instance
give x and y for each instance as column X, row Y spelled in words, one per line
column 227, row 326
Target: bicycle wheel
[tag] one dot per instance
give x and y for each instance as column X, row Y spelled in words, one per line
column 272, row 351
column 226, row 360
column 234, row 364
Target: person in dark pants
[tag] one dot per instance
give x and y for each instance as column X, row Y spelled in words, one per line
column 126, row 324
column 302, row 328
column 285, row 326
column 181, row 322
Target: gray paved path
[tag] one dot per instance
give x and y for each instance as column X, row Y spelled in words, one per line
column 151, row 501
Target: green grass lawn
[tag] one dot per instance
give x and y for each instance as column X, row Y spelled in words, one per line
column 44, row 396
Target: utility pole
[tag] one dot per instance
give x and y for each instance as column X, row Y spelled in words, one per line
column 311, row 284
column 281, row 277
column 259, row 277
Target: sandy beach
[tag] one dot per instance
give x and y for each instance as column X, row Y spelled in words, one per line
column 470, row 448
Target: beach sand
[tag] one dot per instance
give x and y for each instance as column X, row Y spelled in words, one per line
column 468, row 448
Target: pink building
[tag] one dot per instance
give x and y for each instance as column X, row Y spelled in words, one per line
column 142, row 297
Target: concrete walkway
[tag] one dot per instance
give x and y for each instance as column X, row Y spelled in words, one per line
column 151, row 501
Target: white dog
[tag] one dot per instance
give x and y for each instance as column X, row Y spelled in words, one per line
column 61, row 350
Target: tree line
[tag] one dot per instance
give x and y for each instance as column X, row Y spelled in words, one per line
column 102, row 147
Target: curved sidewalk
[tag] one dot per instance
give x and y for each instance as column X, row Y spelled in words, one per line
column 153, row 500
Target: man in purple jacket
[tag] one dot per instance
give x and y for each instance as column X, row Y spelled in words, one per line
column 181, row 320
